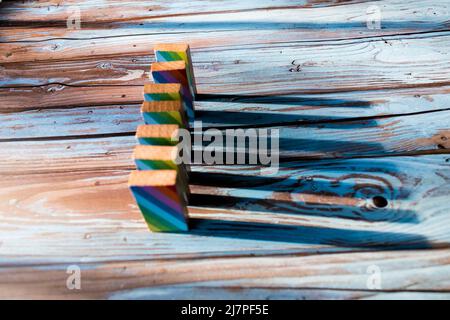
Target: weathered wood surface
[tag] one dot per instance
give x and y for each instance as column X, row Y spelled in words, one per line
column 413, row 134
column 306, row 207
column 93, row 118
column 366, row 112
column 162, row 17
column 408, row 274
column 362, row 63
column 116, row 10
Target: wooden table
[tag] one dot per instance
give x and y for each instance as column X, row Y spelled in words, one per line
column 359, row 209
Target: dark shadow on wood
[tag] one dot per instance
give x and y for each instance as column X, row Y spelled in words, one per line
column 281, row 183
column 300, row 208
column 323, row 188
column 327, row 148
column 284, row 110
column 243, row 119
column 286, row 100
column 363, row 239
column 297, row 149
column 289, row 118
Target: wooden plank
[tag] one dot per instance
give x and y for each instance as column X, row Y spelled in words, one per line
column 82, row 212
column 316, row 21
column 49, row 13
column 99, row 120
column 289, row 109
column 142, row 45
column 221, row 291
column 66, row 155
column 353, row 65
column 22, row 98
column 84, row 72
column 418, row 133
column 403, row 275
column 420, row 59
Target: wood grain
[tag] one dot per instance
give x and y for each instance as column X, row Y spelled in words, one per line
column 42, row 13
column 88, row 214
column 63, row 140
column 370, row 64
column 363, row 112
column 403, row 275
column 353, row 63
column 51, row 13
column 234, row 111
column 283, row 20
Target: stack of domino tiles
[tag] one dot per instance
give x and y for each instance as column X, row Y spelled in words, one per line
column 160, row 185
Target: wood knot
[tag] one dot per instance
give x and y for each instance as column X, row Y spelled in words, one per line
column 105, row 65
column 440, row 140
column 297, row 67
column 55, row 88
column 444, row 143
column 380, row 201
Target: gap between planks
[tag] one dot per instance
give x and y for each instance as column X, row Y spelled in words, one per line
column 197, row 44
column 443, row 32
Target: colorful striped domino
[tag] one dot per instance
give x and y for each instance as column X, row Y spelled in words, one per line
column 155, row 157
column 161, row 197
column 164, row 112
column 160, row 185
column 157, row 135
column 160, row 158
column 175, row 72
column 162, row 91
column 176, row 52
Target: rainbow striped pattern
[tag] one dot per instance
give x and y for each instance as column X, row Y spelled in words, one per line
column 149, row 141
column 160, row 158
column 143, row 164
column 160, row 185
column 162, row 96
column 162, row 92
column 170, row 117
column 177, row 52
column 157, row 135
column 161, row 208
column 175, row 72
column 164, row 112
column 155, row 157
column 162, row 203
